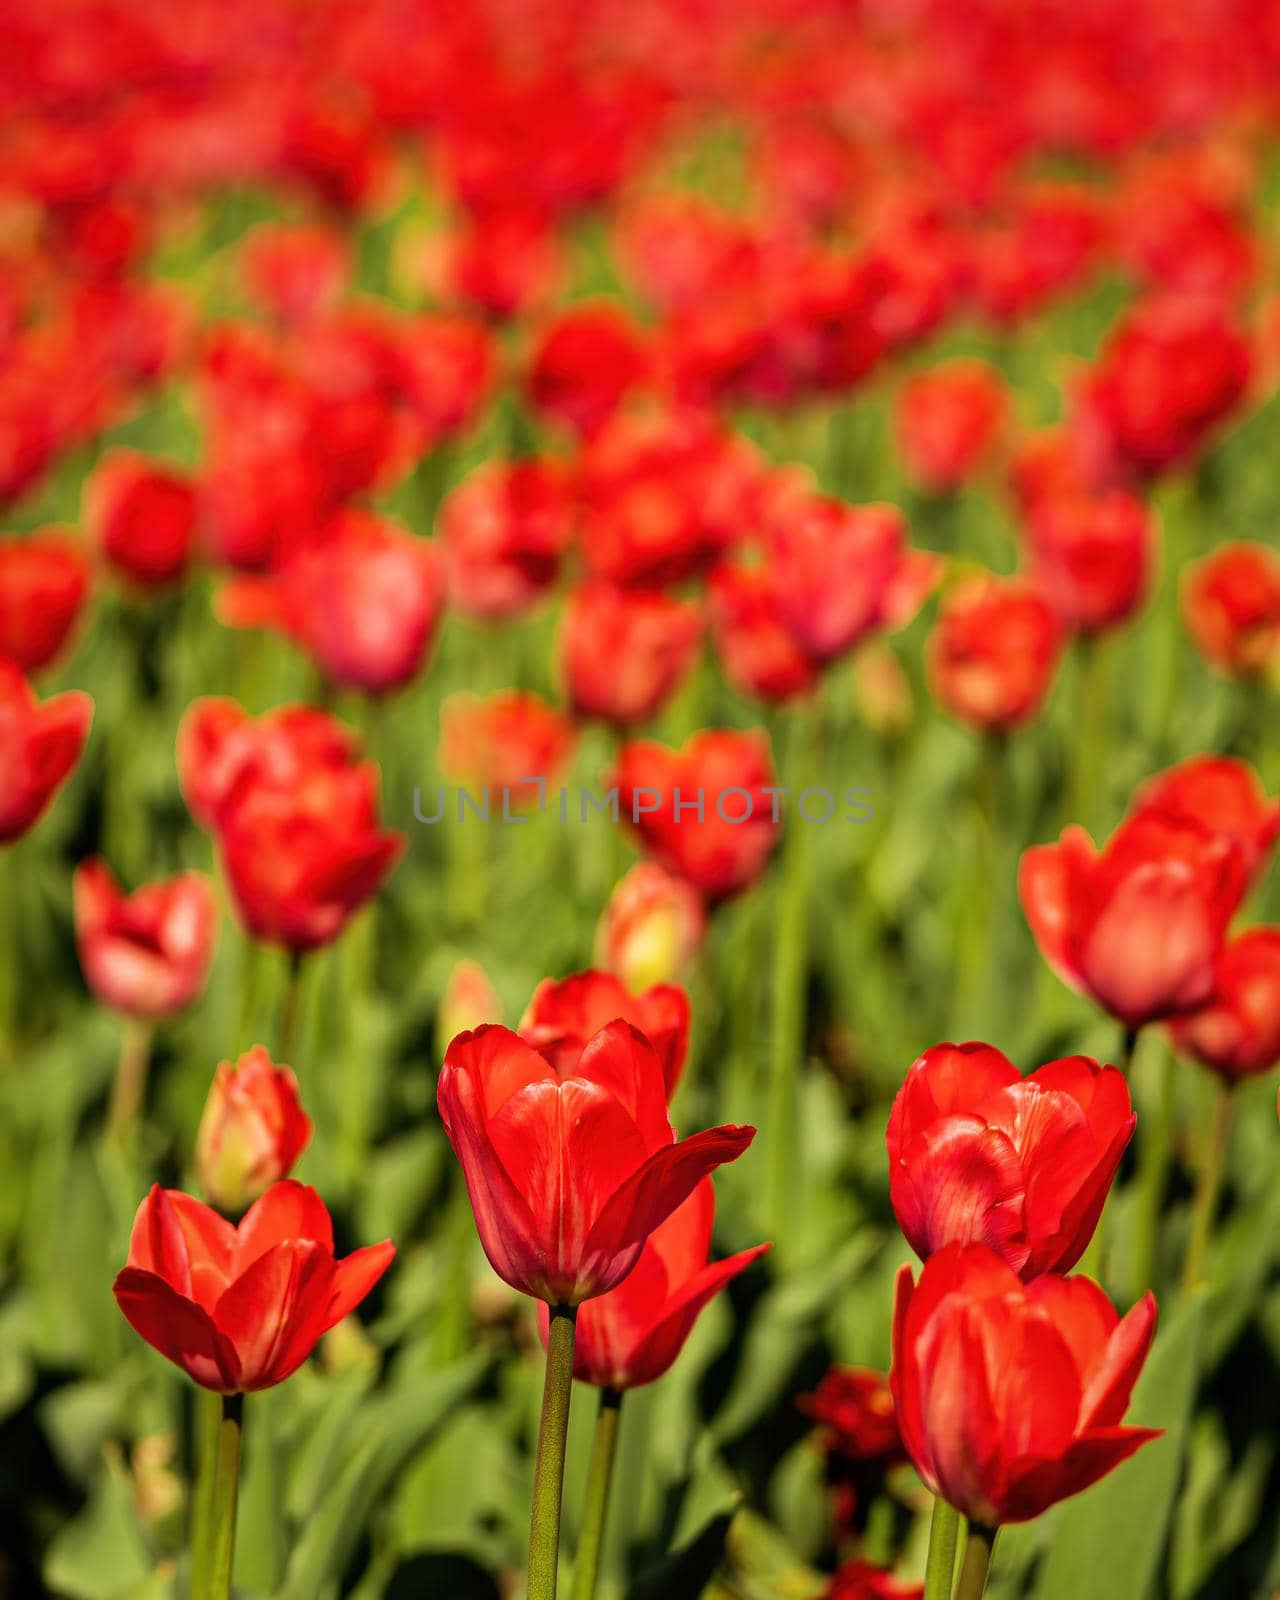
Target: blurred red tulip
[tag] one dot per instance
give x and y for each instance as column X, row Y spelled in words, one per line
column 839, row 571
column 40, row 742
column 978, row 1153
column 634, row 1333
column 882, row 690
column 858, row 1435
column 252, row 1132
column 363, row 598
column 625, row 652
column 146, row 953
column 1010, row 1395
column 1172, row 369
column 562, row 1016
column 584, row 364
column 759, row 653
column 570, row 1166
column 443, row 367
column 1236, row 1032
column 859, row 1580
column 469, row 1001
column 707, row 810
column 505, row 264
column 141, row 515
column 651, row 927
column 949, row 420
column 504, row 742
column 240, row 1308
column 664, row 493
column 1231, row 604
column 505, row 529
column 1221, row 794
column 43, row 583
column 1093, row 557
column 1138, row 924
column 295, row 271
column 994, row 651
column 218, row 739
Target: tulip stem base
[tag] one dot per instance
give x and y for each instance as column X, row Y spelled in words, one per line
column 290, row 1006
column 604, row 1448
column 548, row 1471
column 130, row 1085
column 944, row 1532
column 211, row 1563
column 972, row 1584
column 1155, row 1155
column 1208, row 1186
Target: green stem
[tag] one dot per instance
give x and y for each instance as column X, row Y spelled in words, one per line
column 787, row 1022
column 586, row 1568
column 944, row 1530
column 972, row 1584
column 10, row 953
column 1155, row 1156
column 1091, row 1262
column 1208, row 1185
column 548, row 1471
column 212, row 1570
column 130, row 1085
column 453, row 1325
column 287, row 1034
column 1091, row 729
column 208, row 1418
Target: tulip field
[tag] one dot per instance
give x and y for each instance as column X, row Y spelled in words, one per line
column 639, row 800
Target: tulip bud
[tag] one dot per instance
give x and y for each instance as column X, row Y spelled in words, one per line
column 651, row 928
column 882, row 690
column 252, row 1132
column 1231, row 606
column 468, row 1002
column 142, row 516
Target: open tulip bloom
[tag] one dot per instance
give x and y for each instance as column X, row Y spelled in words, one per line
column 572, row 1165
column 1011, row 1395
column 978, row 1153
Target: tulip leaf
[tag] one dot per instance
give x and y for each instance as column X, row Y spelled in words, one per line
column 1109, row 1542
column 101, row 1554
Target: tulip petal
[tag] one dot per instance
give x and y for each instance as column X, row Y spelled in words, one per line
column 1036, row 1485
column 1048, row 878
column 498, row 1062
column 272, row 1313
column 178, row 1328
column 663, row 1342
column 158, row 1243
column 647, row 1198
column 961, row 1182
column 1110, row 1384
column 354, row 1277
column 288, row 1211
column 622, row 1061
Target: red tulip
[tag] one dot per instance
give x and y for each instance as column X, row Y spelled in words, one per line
column 147, row 953
column 1221, row 794
column 633, row 1334
column 1231, row 605
column 664, row 494
column 498, row 744
column 858, row 1433
column 218, row 739
column 1236, row 1031
column 469, row 1001
column 43, row 583
column 505, row 264
column 651, row 928
column 624, row 652
column 584, row 365
column 363, row 598
column 979, row 1153
column 240, row 1308
column 993, row 651
column 759, row 653
column 505, row 529
column 252, row 1132
column 949, row 420
column 141, row 514
column 840, row 571
column 1172, row 370
column 1093, row 557
column 570, row 1164
column 707, row 810
column 1138, row 924
column 303, row 853
column 562, row 1017
column 1010, row 1395
column 295, row 271
column 39, row 745
column 859, row 1580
